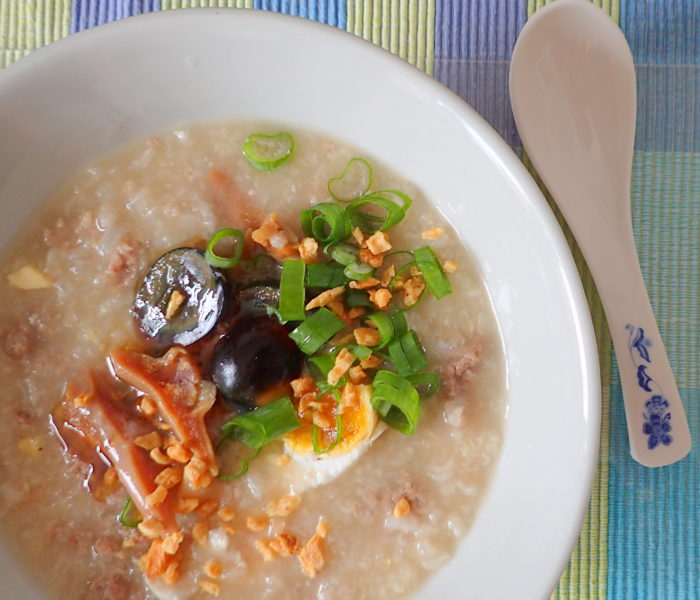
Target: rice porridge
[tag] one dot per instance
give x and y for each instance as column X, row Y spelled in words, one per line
column 219, row 360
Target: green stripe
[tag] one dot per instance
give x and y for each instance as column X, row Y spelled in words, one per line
column 29, row 24
column 404, row 27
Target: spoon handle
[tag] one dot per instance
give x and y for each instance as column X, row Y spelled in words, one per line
column 656, row 422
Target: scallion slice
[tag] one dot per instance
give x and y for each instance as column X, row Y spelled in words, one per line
column 326, row 222
column 392, row 203
column 396, row 401
column 353, row 183
column 360, row 352
column 267, row 152
column 316, row 330
column 338, row 430
column 407, row 354
column 129, row 516
column 292, row 293
column 224, row 262
column 358, row 271
column 259, row 427
column 427, row 384
column 369, row 223
column 322, row 363
column 344, row 253
column 391, row 286
column 357, row 298
column 398, row 320
column 434, row 276
column 325, row 276
column 384, row 325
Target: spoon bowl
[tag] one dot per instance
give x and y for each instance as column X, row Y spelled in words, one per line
column 573, row 92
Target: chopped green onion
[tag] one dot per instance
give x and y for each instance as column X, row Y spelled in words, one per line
column 434, row 276
column 384, row 325
column 398, row 274
column 224, row 262
column 338, row 430
column 326, row 222
column 394, row 207
column 245, row 465
column 266, row 152
column 344, row 253
column 396, row 401
column 322, row 363
column 316, row 330
column 353, row 183
column 407, row 354
column 359, row 298
column 325, row 276
column 429, row 381
column 360, row 352
column 398, row 320
column 358, row 271
column 292, row 293
column 259, row 427
column 129, row 516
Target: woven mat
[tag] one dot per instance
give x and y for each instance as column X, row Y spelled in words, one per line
column 641, row 538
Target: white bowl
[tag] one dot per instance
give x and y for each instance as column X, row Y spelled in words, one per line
column 82, row 97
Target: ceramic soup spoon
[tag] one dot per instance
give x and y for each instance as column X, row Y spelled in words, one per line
column 573, row 91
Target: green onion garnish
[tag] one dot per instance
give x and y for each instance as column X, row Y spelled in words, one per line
column 325, row 276
column 358, row 298
column 292, row 293
column 398, row 320
column 245, row 465
column 358, row 271
column 394, row 207
column 353, row 183
column 259, row 427
column 434, row 276
column 129, row 516
column 396, row 401
column 224, row 262
column 338, row 430
column 407, row 354
column 266, row 152
column 316, row 330
column 399, row 273
column 326, row 222
column 344, row 253
column 360, row 352
column 322, row 363
column 384, row 325
column 427, row 384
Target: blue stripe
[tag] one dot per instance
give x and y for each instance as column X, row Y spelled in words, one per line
column 665, row 41
column 474, row 40
column 88, row 13
column 331, row 12
column 662, row 31
column 653, row 524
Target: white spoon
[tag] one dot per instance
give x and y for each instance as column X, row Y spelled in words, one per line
column 573, row 91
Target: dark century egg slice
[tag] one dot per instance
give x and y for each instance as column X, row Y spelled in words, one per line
column 257, row 354
column 181, row 298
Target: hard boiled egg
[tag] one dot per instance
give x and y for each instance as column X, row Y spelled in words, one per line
column 360, row 426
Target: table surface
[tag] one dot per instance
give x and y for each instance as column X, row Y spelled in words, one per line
column 641, row 537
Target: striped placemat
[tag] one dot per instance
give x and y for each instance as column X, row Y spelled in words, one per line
column 641, row 537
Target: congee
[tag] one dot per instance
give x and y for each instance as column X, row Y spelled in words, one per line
column 243, row 361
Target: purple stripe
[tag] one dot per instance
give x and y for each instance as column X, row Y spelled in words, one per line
column 331, row 12
column 474, row 40
column 88, row 13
